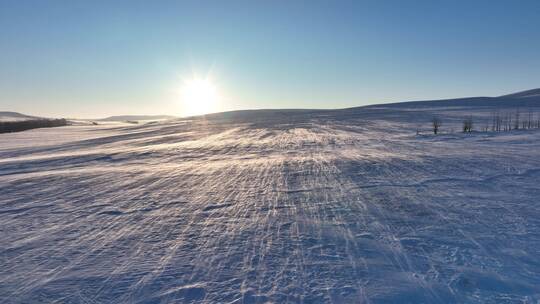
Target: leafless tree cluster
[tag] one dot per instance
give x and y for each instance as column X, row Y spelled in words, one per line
column 514, row 121
column 497, row 122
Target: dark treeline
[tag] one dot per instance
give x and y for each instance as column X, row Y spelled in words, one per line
column 17, row 126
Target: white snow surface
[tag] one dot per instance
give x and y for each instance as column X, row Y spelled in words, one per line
column 344, row 206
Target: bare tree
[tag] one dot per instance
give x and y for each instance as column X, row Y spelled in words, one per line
column 494, row 116
column 516, row 121
column 497, row 122
column 468, row 124
column 436, row 122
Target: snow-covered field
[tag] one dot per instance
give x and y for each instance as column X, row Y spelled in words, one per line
column 343, row 206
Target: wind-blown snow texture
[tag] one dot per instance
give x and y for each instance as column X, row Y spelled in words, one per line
column 344, row 206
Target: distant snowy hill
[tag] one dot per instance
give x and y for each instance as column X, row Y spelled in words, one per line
column 137, row 117
column 14, row 116
column 524, row 94
column 520, row 99
column 451, row 110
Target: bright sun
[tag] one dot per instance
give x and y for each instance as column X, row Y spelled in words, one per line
column 199, row 96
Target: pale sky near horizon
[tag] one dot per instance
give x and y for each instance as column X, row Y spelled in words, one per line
column 100, row 58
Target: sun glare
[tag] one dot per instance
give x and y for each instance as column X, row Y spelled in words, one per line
column 199, row 96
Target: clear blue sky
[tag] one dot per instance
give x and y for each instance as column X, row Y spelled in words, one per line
column 100, row 58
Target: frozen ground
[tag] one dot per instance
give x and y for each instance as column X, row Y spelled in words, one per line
column 345, row 206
